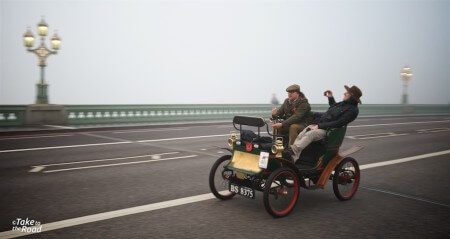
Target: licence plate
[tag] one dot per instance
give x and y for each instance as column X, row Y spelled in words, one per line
column 243, row 191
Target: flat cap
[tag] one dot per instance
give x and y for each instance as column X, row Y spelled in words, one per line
column 293, row 87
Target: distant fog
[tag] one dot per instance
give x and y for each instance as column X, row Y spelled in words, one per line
column 158, row 52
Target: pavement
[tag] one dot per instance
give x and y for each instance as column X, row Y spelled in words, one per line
column 152, row 182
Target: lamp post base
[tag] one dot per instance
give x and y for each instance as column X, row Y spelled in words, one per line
column 42, row 96
column 404, row 99
column 43, row 114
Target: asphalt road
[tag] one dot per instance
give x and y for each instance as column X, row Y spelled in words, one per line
column 77, row 183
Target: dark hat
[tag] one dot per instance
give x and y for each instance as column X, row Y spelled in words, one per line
column 293, row 87
column 355, row 92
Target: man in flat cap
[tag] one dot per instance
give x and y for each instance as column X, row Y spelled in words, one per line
column 338, row 115
column 295, row 111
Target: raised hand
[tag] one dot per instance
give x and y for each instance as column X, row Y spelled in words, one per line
column 328, row 93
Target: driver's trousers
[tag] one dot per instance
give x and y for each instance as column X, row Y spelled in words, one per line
column 293, row 130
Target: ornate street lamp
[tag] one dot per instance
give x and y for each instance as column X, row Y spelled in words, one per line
column 42, row 53
column 405, row 76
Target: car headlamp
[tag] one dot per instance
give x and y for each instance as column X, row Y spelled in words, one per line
column 232, row 139
column 278, row 148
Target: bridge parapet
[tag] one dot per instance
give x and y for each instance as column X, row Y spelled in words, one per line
column 14, row 115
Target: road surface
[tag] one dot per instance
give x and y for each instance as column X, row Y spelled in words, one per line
column 153, row 183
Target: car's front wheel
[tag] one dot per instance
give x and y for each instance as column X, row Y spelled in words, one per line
column 281, row 192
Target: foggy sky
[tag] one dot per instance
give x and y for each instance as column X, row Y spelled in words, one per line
column 158, row 52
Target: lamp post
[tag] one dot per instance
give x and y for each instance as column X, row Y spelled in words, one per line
column 405, row 76
column 42, row 52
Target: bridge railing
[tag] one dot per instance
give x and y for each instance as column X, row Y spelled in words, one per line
column 78, row 114
column 14, row 115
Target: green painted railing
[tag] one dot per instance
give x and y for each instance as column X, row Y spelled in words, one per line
column 79, row 114
column 14, row 115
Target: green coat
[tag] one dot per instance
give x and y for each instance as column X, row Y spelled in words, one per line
column 296, row 112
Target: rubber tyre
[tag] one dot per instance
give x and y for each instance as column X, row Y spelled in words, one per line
column 267, row 192
column 212, row 174
column 344, row 196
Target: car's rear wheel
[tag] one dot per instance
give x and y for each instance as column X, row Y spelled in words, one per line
column 281, row 192
column 219, row 178
column 346, row 179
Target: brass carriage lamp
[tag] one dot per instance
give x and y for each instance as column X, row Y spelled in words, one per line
column 278, row 148
column 232, row 139
column 28, row 39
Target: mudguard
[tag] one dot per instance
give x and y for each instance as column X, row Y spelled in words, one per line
column 325, row 175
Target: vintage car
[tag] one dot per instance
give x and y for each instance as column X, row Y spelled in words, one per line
column 260, row 164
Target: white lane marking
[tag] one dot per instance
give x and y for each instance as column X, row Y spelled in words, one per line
column 63, row 147
column 403, row 160
column 171, row 203
column 433, row 130
column 418, row 122
column 374, row 136
column 406, row 196
column 162, row 129
column 148, row 130
column 118, row 164
column 38, row 168
column 182, row 138
column 112, row 214
column 402, row 116
column 60, row 126
column 413, row 117
column 122, row 142
column 359, row 120
column 225, row 126
column 103, row 137
column 156, row 157
column 196, row 137
column 36, row 137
